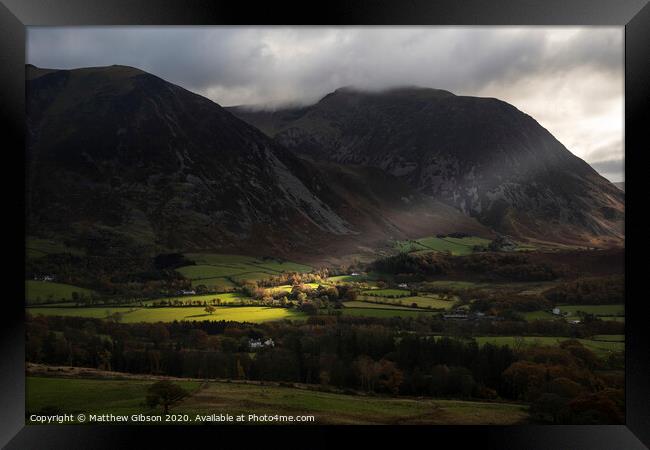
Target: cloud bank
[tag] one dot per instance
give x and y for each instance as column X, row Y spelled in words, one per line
column 569, row 79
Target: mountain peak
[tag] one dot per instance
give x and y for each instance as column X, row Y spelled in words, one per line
column 89, row 79
column 480, row 155
column 389, row 93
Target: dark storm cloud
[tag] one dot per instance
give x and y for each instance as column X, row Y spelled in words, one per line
column 569, row 79
column 317, row 60
column 196, row 58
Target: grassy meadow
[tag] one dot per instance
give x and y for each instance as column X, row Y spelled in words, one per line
column 100, row 396
column 382, row 311
column 223, row 270
column 253, row 314
column 423, row 301
column 38, row 247
column 615, row 312
column 455, row 246
column 49, row 292
column 601, row 346
column 90, row 396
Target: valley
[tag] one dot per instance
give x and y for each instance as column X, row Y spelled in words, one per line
column 365, row 259
column 228, row 297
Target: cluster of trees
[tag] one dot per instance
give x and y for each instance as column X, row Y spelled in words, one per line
column 113, row 264
column 413, row 266
column 113, row 277
column 456, row 234
column 501, row 303
column 490, row 266
column 563, row 387
column 589, row 291
column 167, row 261
column 293, row 278
column 506, row 266
column 370, row 357
column 412, row 293
column 398, row 357
column 303, row 296
column 501, row 243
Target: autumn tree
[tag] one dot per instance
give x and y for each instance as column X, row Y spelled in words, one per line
column 165, row 393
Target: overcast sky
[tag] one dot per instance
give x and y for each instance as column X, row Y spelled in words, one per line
column 569, row 79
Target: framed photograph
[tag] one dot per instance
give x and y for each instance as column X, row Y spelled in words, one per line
column 306, row 222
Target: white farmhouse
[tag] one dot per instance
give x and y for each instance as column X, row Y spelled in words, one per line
column 257, row 343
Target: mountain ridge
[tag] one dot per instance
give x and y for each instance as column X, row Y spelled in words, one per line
column 480, row 155
column 115, row 151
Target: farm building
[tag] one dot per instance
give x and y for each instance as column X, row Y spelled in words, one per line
column 257, row 343
column 44, row 278
column 455, row 316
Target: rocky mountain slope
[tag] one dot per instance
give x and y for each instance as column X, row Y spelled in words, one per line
column 481, row 156
column 121, row 160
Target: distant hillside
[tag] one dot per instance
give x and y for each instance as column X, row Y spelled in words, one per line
column 620, row 185
column 482, row 156
column 120, row 160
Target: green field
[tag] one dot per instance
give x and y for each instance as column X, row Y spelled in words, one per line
column 47, row 291
column 222, row 268
column 201, row 271
column 247, row 262
column 612, row 318
column 227, row 297
column 427, row 301
column 598, row 310
column 609, row 337
column 103, row 396
column 603, row 312
column 362, row 304
column 387, row 292
column 346, row 279
column 251, row 276
column 285, row 266
column 90, row 396
column 218, row 283
column 253, row 314
column 286, row 288
column 600, row 347
column 383, row 311
column 455, row 246
column 453, row 285
column 37, row 247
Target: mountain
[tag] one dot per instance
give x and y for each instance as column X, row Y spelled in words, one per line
column 481, row 156
column 620, row 185
column 120, row 160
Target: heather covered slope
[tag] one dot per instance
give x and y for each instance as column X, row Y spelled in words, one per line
column 480, row 155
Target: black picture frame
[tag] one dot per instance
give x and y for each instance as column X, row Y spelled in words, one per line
column 15, row 15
